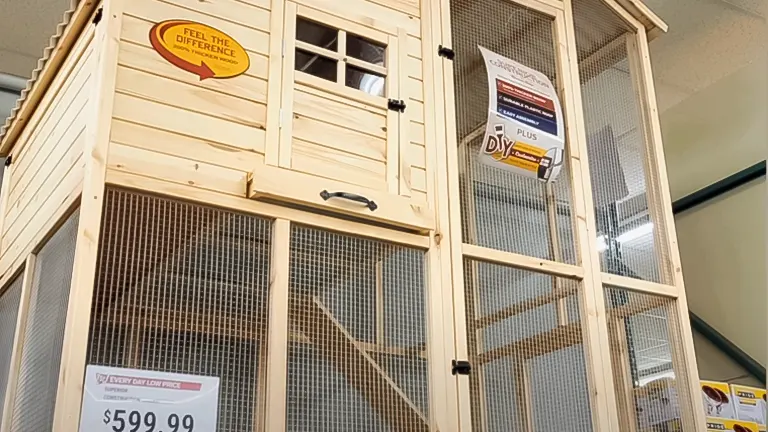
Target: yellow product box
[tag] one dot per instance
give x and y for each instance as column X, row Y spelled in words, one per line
column 749, row 403
column 717, row 399
column 730, row 425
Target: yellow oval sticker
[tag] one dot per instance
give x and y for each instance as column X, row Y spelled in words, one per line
column 199, row 49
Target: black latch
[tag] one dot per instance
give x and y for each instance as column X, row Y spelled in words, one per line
column 8, row 160
column 396, row 105
column 461, row 367
column 97, row 17
column 446, row 52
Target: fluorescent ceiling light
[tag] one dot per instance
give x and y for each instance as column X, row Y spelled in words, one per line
column 633, row 234
column 636, row 233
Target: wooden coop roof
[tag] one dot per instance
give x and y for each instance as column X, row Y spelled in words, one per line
column 75, row 19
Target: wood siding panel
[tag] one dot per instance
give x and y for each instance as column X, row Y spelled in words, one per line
column 47, row 171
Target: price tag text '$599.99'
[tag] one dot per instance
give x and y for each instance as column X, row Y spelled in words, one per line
column 135, row 421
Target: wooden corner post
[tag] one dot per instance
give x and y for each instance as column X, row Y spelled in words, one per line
column 595, row 325
column 73, row 357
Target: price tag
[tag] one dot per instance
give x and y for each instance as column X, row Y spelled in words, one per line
column 131, row 400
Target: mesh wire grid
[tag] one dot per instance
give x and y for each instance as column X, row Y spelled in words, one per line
column 358, row 356
column 628, row 222
column 183, row 288
column 525, row 342
column 502, row 210
column 9, row 312
column 651, row 384
column 44, row 331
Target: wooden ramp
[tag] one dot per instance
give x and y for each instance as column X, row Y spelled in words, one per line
column 361, row 371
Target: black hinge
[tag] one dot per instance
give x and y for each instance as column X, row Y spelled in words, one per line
column 446, row 52
column 8, row 160
column 461, row 367
column 97, row 17
column 396, row 105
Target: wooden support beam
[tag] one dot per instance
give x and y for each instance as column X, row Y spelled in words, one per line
column 537, row 345
column 555, row 296
column 360, row 370
column 18, row 343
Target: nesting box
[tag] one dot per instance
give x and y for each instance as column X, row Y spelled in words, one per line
column 387, row 215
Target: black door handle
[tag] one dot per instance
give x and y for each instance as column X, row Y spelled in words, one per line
column 325, row 195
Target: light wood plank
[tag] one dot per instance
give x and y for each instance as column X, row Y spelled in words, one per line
column 135, row 31
column 175, row 169
column 64, row 200
column 277, row 343
column 359, row 369
column 340, row 91
column 414, row 88
column 417, row 133
column 75, row 342
column 288, row 82
column 156, row 11
column 193, row 148
column 146, row 60
column 52, row 75
column 207, row 197
column 264, row 4
column 332, row 164
column 185, row 122
column 51, row 146
column 417, row 155
column 507, row 312
column 639, row 285
column 411, row 7
column 63, row 158
column 449, row 211
column 368, row 103
column 330, row 111
column 330, row 135
column 286, row 185
column 73, row 93
column 366, row 26
column 192, row 98
column 67, row 176
column 557, row 339
column 592, row 303
column 395, row 176
column 275, row 82
column 416, row 111
column 234, row 11
column 685, row 343
column 523, row 261
column 418, row 178
column 414, row 68
column 413, row 46
column 18, row 343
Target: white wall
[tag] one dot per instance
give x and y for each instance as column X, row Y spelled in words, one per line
column 722, row 245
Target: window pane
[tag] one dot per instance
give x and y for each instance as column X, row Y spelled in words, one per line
column 9, row 308
column 317, row 34
column 316, row 65
column 365, row 50
column 366, row 81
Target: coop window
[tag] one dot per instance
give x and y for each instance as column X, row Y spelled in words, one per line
column 335, row 55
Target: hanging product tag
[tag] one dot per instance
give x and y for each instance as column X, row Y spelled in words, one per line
column 525, row 133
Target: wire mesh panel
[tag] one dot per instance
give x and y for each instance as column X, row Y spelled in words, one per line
column 651, row 388
column 525, row 342
column 620, row 173
column 44, row 332
column 502, row 210
column 358, row 355
column 183, row 288
column 9, row 312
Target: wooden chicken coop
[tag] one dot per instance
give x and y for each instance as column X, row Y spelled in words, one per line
column 295, row 197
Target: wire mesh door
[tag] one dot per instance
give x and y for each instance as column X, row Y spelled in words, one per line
column 357, row 357
column 523, row 324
